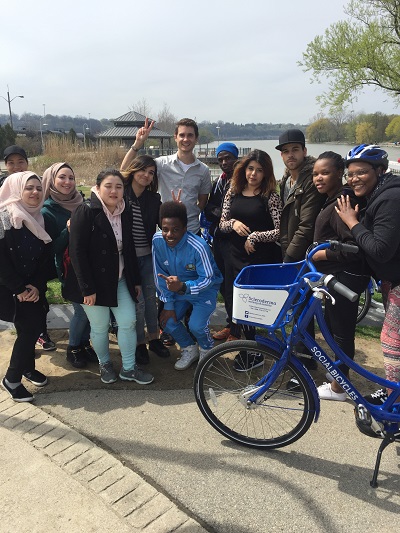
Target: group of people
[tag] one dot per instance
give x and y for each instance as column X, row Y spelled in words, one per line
column 110, row 258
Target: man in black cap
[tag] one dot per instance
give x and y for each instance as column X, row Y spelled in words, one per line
column 15, row 159
column 301, row 205
column 301, row 200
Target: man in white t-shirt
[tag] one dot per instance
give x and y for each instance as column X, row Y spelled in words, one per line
column 181, row 175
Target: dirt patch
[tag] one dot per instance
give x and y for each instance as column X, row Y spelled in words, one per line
column 63, row 377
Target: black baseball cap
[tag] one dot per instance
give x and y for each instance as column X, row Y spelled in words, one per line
column 14, row 149
column 291, row 136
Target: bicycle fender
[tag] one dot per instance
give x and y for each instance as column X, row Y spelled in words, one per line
column 303, row 370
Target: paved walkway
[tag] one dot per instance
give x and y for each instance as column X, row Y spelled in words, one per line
column 55, row 479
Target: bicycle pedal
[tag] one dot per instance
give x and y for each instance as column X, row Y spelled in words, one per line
column 366, row 423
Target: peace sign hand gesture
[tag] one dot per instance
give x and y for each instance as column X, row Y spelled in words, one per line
column 143, row 132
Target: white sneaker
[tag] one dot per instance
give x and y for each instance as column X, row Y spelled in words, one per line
column 189, row 355
column 203, row 352
column 325, row 392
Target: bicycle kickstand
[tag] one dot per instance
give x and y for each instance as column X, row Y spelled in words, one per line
column 386, row 441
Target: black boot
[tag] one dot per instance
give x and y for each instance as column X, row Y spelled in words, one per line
column 88, row 352
column 76, row 356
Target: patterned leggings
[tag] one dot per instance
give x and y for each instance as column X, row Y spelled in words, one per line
column 390, row 335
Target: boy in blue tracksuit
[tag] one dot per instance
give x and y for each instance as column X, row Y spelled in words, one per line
column 185, row 274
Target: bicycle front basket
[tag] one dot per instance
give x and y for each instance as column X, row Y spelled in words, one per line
column 263, row 294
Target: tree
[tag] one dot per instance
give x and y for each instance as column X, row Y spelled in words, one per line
column 166, row 120
column 320, row 131
column 205, row 136
column 72, row 135
column 143, row 107
column 365, row 133
column 362, row 51
column 393, row 129
column 10, row 135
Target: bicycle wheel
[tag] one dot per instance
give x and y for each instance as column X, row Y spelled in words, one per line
column 279, row 417
column 364, row 304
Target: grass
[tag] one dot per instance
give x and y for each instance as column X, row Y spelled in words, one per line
column 86, row 163
column 53, row 294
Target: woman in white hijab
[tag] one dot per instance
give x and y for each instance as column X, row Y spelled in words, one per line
column 25, row 261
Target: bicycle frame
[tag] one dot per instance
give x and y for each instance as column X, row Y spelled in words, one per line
column 386, row 413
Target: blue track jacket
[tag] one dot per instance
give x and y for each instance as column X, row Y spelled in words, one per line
column 191, row 260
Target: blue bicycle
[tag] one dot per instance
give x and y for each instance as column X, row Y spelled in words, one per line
column 272, row 399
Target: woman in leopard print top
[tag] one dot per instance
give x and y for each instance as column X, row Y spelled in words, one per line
column 251, row 215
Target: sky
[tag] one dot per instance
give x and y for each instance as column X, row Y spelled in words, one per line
column 234, row 61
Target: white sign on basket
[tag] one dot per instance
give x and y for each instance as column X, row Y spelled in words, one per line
column 257, row 305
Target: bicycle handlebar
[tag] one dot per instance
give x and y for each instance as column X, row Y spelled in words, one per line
column 329, row 280
column 332, row 283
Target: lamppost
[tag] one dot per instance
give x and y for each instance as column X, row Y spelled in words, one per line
column 85, row 128
column 9, row 100
column 89, row 123
column 41, row 134
column 218, row 128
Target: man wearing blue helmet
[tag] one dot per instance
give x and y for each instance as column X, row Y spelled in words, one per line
column 375, row 228
column 227, row 155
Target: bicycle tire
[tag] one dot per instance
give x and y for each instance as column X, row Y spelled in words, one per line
column 364, row 304
column 280, row 418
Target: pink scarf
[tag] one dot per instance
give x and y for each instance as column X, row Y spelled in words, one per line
column 116, row 225
column 20, row 213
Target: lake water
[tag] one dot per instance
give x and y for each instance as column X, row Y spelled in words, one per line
column 312, row 149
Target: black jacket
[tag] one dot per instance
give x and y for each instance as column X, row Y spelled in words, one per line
column 299, row 213
column 329, row 226
column 24, row 259
column 94, row 256
column 378, row 232
column 150, row 203
column 213, row 209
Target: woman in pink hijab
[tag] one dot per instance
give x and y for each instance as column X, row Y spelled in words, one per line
column 61, row 200
column 25, row 251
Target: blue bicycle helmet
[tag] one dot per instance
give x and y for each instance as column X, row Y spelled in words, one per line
column 370, row 153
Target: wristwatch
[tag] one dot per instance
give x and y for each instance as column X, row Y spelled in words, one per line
column 182, row 290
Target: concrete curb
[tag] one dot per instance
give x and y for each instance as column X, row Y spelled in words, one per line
column 134, row 500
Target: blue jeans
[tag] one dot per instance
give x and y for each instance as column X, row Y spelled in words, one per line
column 79, row 327
column 146, row 308
column 198, row 322
column 125, row 314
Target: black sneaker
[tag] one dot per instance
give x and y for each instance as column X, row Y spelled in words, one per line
column 167, row 339
column 76, row 356
column 36, row 377
column 136, row 374
column 142, row 355
column 88, row 352
column 378, row 397
column 107, row 373
column 20, row 394
column 158, row 348
column 45, row 342
column 245, row 361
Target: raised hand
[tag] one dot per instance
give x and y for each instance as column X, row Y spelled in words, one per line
column 143, row 132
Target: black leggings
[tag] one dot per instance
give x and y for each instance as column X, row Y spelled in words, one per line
column 29, row 319
column 342, row 317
